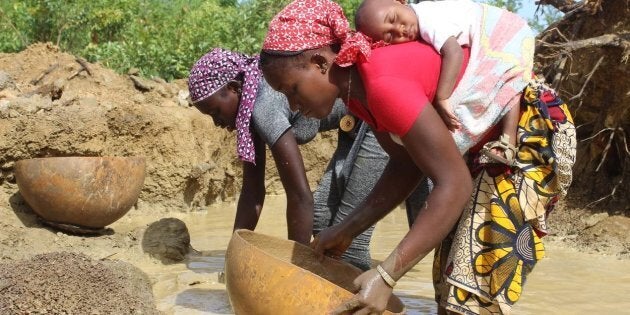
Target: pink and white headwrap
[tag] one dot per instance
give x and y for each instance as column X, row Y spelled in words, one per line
column 311, row 24
column 214, row 70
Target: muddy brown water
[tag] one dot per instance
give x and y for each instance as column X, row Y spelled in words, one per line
column 566, row 282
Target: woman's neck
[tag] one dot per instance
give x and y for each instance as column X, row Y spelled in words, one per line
column 356, row 90
column 350, row 84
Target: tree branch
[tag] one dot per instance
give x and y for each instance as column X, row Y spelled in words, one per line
column 563, row 5
column 614, row 40
column 571, row 7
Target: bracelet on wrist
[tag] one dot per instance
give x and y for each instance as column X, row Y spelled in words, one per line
column 386, row 277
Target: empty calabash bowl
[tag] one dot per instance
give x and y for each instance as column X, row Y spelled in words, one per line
column 268, row 275
column 86, row 192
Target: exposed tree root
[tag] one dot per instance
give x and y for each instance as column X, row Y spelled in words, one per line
column 585, row 58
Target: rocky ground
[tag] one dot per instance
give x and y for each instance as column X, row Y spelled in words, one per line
column 590, row 229
column 71, row 283
column 51, row 105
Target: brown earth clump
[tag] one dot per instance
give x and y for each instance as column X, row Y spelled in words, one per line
column 167, row 239
column 585, row 56
column 71, row 283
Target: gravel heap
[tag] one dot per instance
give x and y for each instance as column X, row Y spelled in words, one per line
column 72, row 283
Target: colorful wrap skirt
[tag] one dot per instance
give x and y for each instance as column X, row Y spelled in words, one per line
column 481, row 267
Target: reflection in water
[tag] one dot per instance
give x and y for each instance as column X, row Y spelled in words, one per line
column 204, row 300
column 566, row 282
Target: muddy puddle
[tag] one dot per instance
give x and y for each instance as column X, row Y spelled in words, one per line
column 566, row 282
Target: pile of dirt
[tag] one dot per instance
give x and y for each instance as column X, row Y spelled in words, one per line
column 54, row 104
column 590, row 229
column 70, row 283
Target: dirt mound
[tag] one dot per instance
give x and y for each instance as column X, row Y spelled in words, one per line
column 70, row 283
column 585, row 57
column 54, row 104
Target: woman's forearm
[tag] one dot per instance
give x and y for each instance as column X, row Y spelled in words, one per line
column 252, row 196
column 300, row 217
column 433, row 149
column 248, row 211
column 290, row 166
column 444, row 207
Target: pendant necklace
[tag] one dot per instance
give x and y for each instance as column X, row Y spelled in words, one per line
column 348, row 122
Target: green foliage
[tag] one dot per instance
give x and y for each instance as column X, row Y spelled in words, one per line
column 510, row 5
column 161, row 38
column 545, row 16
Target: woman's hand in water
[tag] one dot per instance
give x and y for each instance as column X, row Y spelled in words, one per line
column 331, row 242
column 373, row 294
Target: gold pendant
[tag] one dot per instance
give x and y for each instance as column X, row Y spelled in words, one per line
column 347, row 123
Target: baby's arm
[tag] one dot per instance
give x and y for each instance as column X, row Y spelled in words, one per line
column 452, row 59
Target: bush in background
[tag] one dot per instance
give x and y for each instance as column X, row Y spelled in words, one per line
column 161, row 38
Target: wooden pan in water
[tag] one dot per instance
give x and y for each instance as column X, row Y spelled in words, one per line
column 268, row 275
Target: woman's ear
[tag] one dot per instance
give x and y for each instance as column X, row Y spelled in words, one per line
column 235, row 86
column 320, row 62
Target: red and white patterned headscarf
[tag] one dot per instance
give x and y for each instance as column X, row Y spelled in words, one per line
column 214, row 70
column 311, row 24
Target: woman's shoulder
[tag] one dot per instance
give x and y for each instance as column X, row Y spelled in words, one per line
column 271, row 113
column 267, row 94
column 270, row 102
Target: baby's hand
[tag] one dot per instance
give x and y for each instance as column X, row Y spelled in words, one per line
column 443, row 108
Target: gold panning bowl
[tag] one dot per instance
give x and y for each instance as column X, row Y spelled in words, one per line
column 268, row 275
column 85, row 192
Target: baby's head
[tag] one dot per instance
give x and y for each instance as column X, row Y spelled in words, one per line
column 388, row 20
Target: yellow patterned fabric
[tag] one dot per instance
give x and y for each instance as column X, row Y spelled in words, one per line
column 482, row 266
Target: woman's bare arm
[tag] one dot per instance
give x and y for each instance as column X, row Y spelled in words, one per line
column 252, row 197
column 433, row 150
column 290, row 165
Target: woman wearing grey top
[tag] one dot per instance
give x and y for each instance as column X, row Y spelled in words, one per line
column 227, row 86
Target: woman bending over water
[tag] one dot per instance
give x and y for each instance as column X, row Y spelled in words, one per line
column 229, row 87
column 311, row 56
